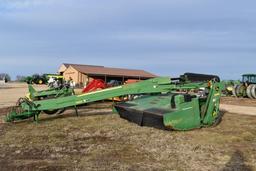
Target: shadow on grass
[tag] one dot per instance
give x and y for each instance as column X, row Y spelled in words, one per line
column 72, row 114
column 237, row 162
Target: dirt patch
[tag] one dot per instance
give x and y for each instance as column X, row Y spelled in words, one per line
column 242, row 110
column 6, row 87
column 238, row 101
column 5, row 110
column 11, row 92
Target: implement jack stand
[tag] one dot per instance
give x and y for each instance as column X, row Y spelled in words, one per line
column 76, row 111
column 36, row 118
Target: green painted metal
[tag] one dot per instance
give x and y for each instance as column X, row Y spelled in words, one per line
column 155, row 85
column 177, row 111
column 49, row 93
column 32, row 108
column 159, row 93
column 24, row 108
column 186, row 115
column 229, row 88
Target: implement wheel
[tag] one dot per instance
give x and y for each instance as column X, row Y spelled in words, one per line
column 253, row 91
column 241, row 91
column 51, row 112
column 218, row 119
column 56, row 111
column 249, row 91
column 234, row 90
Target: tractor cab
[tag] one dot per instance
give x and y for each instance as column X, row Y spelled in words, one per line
column 249, row 78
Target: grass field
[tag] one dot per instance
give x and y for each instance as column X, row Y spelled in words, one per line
column 100, row 140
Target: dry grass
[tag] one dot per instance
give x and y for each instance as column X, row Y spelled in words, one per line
column 100, row 140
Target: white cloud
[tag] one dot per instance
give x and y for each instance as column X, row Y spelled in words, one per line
column 23, row 4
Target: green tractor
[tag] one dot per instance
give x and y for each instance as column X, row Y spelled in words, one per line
column 229, row 86
column 247, row 87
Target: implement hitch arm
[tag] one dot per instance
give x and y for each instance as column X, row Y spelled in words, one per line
column 32, row 108
column 155, row 85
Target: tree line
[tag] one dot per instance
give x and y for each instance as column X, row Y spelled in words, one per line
column 35, row 78
column 6, row 77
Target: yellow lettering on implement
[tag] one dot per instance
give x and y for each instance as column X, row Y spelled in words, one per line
column 79, row 102
column 214, row 113
column 217, row 94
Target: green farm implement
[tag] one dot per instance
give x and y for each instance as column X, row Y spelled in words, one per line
column 49, row 93
column 228, row 85
column 159, row 102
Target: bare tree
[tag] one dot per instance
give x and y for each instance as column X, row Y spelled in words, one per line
column 20, row 78
column 5, row 76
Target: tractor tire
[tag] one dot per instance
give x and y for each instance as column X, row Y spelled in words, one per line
column 249, row 91
column 234, row 90
column 253, row 91
column 241, row 90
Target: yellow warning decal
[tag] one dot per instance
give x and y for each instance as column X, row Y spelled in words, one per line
column 217, row 94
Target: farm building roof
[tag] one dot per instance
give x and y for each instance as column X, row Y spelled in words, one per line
column 101, row 70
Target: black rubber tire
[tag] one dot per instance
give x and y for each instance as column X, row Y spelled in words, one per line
column 249, row 91
column 61, row 111
column 218, row 119
column 51, row 112
column 253, row 91
column 234, row 90
column 240, row 88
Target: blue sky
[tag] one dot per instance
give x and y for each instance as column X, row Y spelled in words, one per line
column 166, row 37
